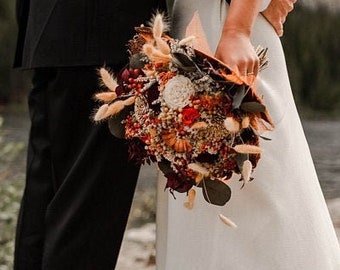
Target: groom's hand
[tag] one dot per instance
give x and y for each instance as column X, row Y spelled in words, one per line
column 276, row 13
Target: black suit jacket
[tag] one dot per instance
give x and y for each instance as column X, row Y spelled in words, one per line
column 78, row 32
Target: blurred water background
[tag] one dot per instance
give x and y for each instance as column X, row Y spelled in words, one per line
column 312, row 46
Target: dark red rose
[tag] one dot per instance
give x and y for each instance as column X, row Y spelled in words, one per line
column 189, row 115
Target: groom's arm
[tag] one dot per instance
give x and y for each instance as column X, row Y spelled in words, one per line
column 276, row 13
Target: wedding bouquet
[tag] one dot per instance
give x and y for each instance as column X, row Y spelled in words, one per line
column 186, row 111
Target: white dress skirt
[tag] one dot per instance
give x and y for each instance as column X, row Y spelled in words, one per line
column 282, row 218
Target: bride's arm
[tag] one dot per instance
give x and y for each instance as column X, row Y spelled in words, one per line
column 235, row 48
column 277, row 12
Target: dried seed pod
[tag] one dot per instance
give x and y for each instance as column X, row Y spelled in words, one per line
column 179, row 146
column 191, row 199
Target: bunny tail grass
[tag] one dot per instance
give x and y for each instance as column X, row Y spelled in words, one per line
column 158, row 26
column 247, row 149
column 246, row 170
column 106, row 96
column 107, row 79
column 101, row 113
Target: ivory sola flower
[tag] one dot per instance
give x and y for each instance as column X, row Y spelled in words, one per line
column 177, row 92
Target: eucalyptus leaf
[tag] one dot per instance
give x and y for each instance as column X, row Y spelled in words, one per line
column 258, row 134
column 252, row 106
column 215, row 192
column 116, row 127
column 265, row 138
column 137, row 61
column 183, row 62
column 165, row 166
column 238, row 97
column 240, row 159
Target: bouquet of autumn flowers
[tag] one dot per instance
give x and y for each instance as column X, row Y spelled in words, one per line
column 186, row 111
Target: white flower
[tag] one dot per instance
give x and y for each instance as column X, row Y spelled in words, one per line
column 177, row 92
column 231, row 125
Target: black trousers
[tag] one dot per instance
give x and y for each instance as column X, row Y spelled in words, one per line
column 79, row 185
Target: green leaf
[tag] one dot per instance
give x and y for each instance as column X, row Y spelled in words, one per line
column 137, row 61
column 215, row 192
column 116, row 127
column 165, row 166
column 240, row 159
column 183, row 62
column 252, row 106
column 238, row 97
column 265, row 138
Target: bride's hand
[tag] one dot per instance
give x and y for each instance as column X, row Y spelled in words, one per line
column 237, row 52
column 276, row 13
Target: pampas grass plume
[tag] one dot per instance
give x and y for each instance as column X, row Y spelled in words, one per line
column 246, row 170
column 115, row 108
column 107, row 79
column 106, row 96
column 129, row 101
column 247, row 149
column 187, row 40
column 155, row 54
column 162, row 46
column 101, row 113
column 158, row 26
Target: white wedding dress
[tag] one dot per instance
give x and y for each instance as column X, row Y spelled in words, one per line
column 283, row 221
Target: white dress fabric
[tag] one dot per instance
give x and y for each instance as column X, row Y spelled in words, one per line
column 283, row 221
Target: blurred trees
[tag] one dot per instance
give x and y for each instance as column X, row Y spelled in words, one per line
column 312, row 47
column 13, row 83
column 311, row 42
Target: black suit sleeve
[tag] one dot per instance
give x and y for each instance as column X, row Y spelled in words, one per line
column 22, row 8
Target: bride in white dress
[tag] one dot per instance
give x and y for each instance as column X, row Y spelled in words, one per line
column 282, row 218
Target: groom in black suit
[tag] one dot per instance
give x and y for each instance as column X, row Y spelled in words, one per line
column 79, row 184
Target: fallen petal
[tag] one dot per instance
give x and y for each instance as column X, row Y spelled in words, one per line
column 227, row 221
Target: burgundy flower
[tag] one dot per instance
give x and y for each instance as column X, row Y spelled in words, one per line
column 125, row 75
column 178, row 183
column 206, row 158
column 136, row 150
